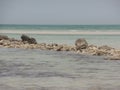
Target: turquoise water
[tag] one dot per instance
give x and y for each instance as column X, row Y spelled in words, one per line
column 61, row 27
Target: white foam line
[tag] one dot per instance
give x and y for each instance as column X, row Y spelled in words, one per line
column 60, row 32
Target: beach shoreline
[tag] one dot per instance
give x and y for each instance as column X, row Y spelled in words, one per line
column 60, row 32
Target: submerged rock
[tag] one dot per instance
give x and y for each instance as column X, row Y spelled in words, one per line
column 81, row 44
column 112, row 58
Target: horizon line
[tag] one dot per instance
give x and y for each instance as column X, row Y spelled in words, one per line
column 61, row 24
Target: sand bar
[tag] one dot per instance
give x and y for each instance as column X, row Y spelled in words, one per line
column 60, row 32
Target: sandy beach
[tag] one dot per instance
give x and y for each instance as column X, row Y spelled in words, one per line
column 60, row 32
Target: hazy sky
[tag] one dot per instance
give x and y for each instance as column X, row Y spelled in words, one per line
column 59, row 11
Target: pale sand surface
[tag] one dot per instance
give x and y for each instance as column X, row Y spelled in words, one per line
column 59, row 32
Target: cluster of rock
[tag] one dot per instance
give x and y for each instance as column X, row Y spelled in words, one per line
column 81, row 46
column 27, row 42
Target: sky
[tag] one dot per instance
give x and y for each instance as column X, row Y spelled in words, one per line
column 80, row 12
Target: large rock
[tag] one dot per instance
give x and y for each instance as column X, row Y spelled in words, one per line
column 28, row 39
column 81, row 44
column 3, row 37
column 25, row 37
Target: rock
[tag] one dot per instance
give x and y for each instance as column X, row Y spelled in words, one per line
column 105, row 47
column 115, row 52
column 72, row 48
column 81, row 44
column 92, row 47
column 28, row 39
column 100, row 53
column 32, row 41
column 5, row 42
column 65, row 49
column 42, row 46
column 49, row 46
column 58, row 48
column 54, row 44
column 3, row 37
column 25, row 37
column 1, row 42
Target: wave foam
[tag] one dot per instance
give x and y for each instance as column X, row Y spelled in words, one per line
column 59, row 32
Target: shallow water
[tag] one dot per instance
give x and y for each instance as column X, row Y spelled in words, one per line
column 29, row 69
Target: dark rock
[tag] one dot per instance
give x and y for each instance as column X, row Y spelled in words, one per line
column 25, row 37
column 3, row 37
column 28, row 39
column 32, row 41
column 81, row 44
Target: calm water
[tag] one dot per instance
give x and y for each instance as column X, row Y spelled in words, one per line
column 31, row 69
column 22, row 69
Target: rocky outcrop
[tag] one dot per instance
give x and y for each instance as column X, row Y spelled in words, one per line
column 28, row 39
column 81, row 47
column 81, row 44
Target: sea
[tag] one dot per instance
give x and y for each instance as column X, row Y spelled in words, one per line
column 34, row 69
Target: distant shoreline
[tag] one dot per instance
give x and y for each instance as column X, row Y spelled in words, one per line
column 60, row 32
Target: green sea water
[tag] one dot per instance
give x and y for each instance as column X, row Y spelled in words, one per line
column 60, row 27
